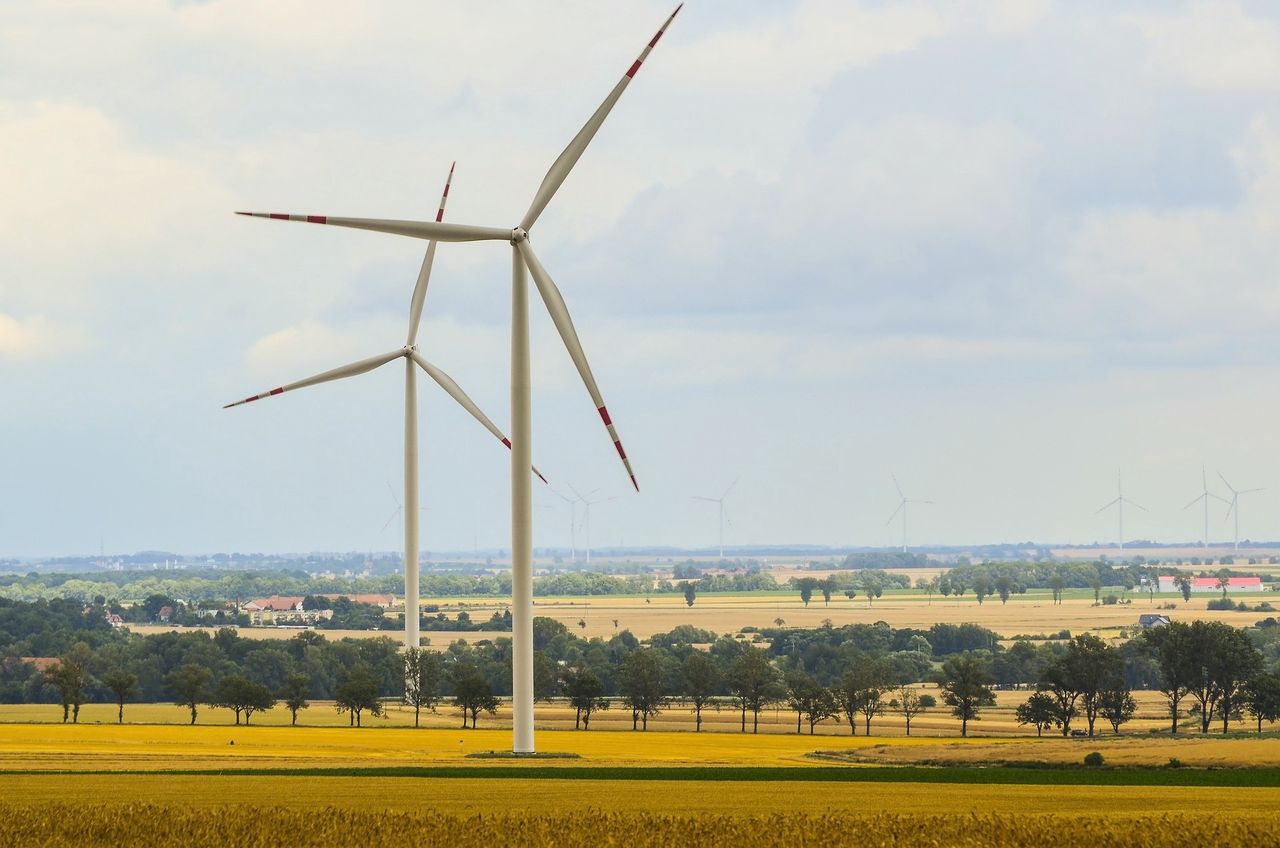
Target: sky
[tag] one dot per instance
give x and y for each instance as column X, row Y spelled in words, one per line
column 1000, row 249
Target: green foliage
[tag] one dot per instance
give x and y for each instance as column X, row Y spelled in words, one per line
column 1093, row 759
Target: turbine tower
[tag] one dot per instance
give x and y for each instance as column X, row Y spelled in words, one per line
column 1235, row 506
column 523, row 260
column 720, row 502
column 903, row 500
column 1205, row 496
column 587, row 502
column 409, row 353
column 1118, row 502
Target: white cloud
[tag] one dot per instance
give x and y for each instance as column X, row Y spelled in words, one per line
column 36, row 338
column 1216, row 45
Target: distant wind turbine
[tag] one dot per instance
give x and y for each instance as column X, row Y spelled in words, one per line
column 409, row 353
column 587, row 502
column 1205, row 496
column 1118, row 502
column 903, row 500
column 720, row 502
column 1235, row 506
column 573, row 520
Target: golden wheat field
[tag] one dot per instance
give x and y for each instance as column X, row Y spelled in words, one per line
column 138, row 825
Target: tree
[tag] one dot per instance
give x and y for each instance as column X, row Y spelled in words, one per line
column 828, row 585
column 861, row 690
column 1224, row 581
column 1262, row 697
column 190, row 684
column 357, row 692
column 642, row 685
column 422, row 676
column 754, row 683
column 1183, row 582
column 1040, row 710
column 123, row 685
column 872, row 586
column 1057, row 582
column 690, row 588
column 981, row 586
column 1173, row 647
column 806, row 585
column 965, row 681
column 810, row 700
column 1095, row 583
column 911, row 703
column 244, row 696
column 294, row 695
column 71, row 677
column 1222, row 660
column 472, row 694
column 586, row 696
column 1058, row 686
column 1117, row 706
column 1004, row 586
column 700, row 678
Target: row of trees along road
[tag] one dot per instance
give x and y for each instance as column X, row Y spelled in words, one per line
column 861, row 669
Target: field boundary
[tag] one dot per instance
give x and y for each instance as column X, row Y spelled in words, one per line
column 1242, row 777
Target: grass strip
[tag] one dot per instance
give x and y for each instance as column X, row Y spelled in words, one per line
column 1246, row 777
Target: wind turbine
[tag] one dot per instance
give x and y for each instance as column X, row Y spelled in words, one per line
column 1235, row 506
column 587, row 502
column 1205, row 496
column 409, row 353
column 1119, row 502
column 720, row 502
column 573, row 520
column 522, row 260
column 902, row 507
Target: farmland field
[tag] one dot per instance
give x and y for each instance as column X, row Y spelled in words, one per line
column 1028, row 614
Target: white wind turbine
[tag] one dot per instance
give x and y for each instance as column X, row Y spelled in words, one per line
column 573, row 521
column 522, row 259
column 903, row 500
column 1118, row 502
column 587, row 502
column 720, row 502
column 1235, row 506
column 1205, row 496
column 409, row 353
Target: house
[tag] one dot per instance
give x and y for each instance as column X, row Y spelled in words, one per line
column 42, row 664
column 282, row 609
column 115, row 620
column 383, row 601
column 1149, row 620
column 1210, row 584
column 165, row 613
column 275, row 603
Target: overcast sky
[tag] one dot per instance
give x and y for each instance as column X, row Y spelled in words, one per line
column 997, row 248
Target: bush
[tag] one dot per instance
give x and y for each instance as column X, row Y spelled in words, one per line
column 1110, row 600
column 1174, row 762
column 1093, row 759
column 1222, row 604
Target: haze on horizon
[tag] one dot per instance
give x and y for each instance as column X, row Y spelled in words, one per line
column 820, row 243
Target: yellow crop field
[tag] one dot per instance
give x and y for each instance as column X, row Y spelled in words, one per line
column 453, row 812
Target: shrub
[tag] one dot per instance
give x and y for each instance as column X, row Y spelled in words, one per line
column 1110, row 600
column 1174, row 762
column 1093, row 759
column 1221, row 604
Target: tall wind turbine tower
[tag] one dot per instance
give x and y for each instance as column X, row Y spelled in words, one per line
column 1235, row 506
column 589, row 500
column 903, row 500
column 1204, row 497
column 573, row 520
column 524, row 264
column 719, row 502
column 1118, row 502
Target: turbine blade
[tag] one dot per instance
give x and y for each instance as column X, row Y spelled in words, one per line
column 424, row 274
column 730, row 489
column 413, row 229
column 701, row 498
column 1196, row 500
column 569, row 156
column 1108, row 505
column 394, row 499
column 564, row 323
column 896, row 486
column 387, row 523
column 901, row 504
column 351, row 370
column 1251, row 491
column 1134, row 503
column 1228, row 485
column 464, row 400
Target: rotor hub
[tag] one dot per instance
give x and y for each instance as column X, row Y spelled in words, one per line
column 518, row 235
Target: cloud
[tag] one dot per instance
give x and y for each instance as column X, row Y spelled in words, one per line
column 36, row 338
column 1216, row 45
